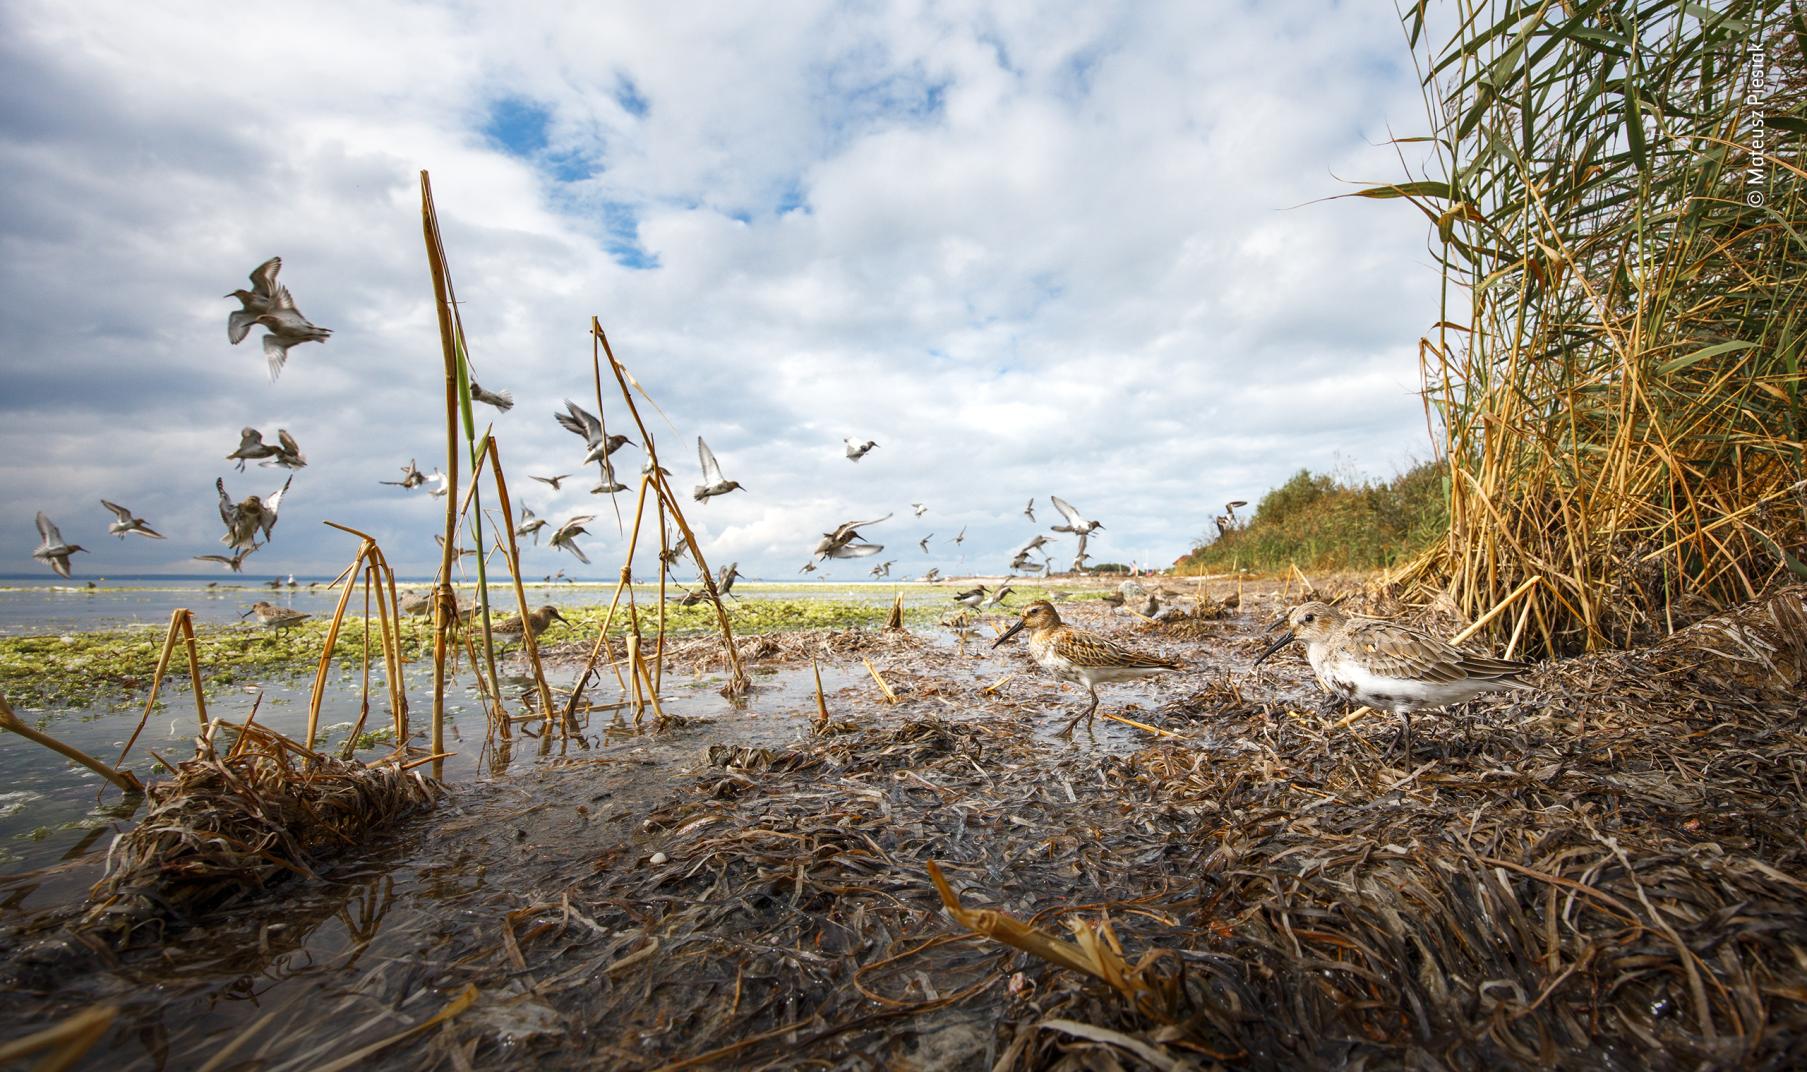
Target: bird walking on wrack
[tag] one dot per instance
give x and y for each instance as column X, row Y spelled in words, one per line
column 1390, row 667
column 1081, row 656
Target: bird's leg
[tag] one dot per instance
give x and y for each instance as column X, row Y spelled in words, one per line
column 1091, row 712
column 1085, row 714
column 1404, row 739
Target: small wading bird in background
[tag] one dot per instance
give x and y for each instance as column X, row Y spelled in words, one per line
column 271, row 616
column 972, row 597
column 713, row 482
column 1081, row 656
column 235, row 563
column 52, row 551
column 124, row 523
column 934, row 574
column 924, row 542
column 502, row 400
column 565, row 537
column 1390, row 667
column 247, row 517
column 856, row 451
column 960, row 539
column 919, row 508
column 540, row 619
column 412, row 477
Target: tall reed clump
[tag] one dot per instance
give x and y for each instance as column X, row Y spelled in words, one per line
column 1616, row 195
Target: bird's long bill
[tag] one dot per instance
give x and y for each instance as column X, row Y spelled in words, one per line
column 1285, row 639
column 1008, row 633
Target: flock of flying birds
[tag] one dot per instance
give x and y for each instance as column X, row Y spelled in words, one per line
column 268, row 304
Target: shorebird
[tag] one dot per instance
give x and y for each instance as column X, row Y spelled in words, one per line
column 417, row 603
column 725, row 578
column 441, row 484
column 972, row 597
column 579, row 421
column 883, row 569
column 256, row 301
column 924, row 542
column 235, row 563
column 530, row 527
column 502, row 400
column 287, row 328
column 1029, row 511
column 287, row 454
column 553, row 480
column 713, row 482
column 1036, row 544
column 1227, row 520
column 1023, row 562
column 839, row 543
column 245, row 518
column 609, row 484
column 997, row 596
column 670, row 555
column 808, row 567
column 919, row 508
column 1390, row 667
column 962, row 537
column 53, row 551
column 1076, row 524
column 856, row 451
column 565, row 537
column 1080, row 656
column 412, row 477
column 271, row 616
column 251, row 447
column 540, row 619
column 934, row 574
column 127, row 523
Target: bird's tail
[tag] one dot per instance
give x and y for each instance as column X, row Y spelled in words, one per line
column 701, row 494
column 504, row 400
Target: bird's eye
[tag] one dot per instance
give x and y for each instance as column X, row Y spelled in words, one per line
column 1308, row 618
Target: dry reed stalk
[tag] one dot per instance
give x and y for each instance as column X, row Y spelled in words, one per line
column 883, row 686
column 68, row 1039
column 528, row 639
column 821, row 700
column 608, row 619
column 374, row 566
column 124, row 779
column 180, row 623
column 443, row 605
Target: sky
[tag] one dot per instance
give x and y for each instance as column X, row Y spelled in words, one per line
column 1073, row 249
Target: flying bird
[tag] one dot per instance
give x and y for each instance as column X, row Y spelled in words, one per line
column 713, row 482
column 412, row 477
column 1076, row 524
column 579, row 421
column 919, row 508
column 441, row 484
column 247, row 517
column 235, row 563
column 287, row 453
column 808, row 567
column 839, row 543
column 924, row 542
column 565, row 537
column 125, row 523
column 609, row 484
column 530, row 526
column 287, row 327
column 856, row 451
column 725, row 578
column 1081, row 656
column 553, row 480
column 1029, row 511
column 53, row 551
column 962, row 537
column 502, row 400
column 251, row 447
column 255, row 302
column 1388, row 666
column 932, row 575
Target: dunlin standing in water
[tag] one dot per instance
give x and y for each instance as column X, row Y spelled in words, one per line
column 502, row 400
column 123, row 523
column 246, row 518
column 555, row 481
column 1075, row 524
column 288, row 453
column 540, row 619
column 52, row 551
column 856, row 451
column 919, row 508
column 1029, row 511
column 846, row 542
column 1390, row 667
column 235, row 563
column 713, row 482
column 565, row 537
column 1081, row 656
column 924, row 542
column 412, row 477
column 251, row 448
column 256, row 301
column 972, row 597
column 271, row 616
column 287, row 328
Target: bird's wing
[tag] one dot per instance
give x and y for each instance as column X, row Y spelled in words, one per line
column 221, row 559
column 227, row 510
column 52, row 538
column 571, row 546
column 249, row 439
column 1066, row 509
column 119, row 511
column 712, row 470
column 238, row 325
column 1395, row 651
column 288, row 441
column 282, row 299
column 273, row 504
column 579, row 421
column 263, row 277
column 856, row 550
column 844, row 533
column 276, row 354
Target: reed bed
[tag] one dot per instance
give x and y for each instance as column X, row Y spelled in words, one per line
column 236, row 819
column 1615, row 377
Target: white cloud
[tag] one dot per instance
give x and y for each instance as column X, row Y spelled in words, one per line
column 1027, row 253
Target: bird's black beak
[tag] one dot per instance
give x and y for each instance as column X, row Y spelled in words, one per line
column 247, row 614
column 1285, row 639
column 1008, row 633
